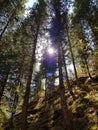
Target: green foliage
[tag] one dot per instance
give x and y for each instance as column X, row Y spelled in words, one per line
column 17, row 44
column 94, row 127
column 86, row 11
column 3, row 118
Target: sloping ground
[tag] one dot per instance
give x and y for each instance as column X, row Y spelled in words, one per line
column 46, row 113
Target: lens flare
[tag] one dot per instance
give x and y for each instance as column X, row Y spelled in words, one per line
column 50, row 51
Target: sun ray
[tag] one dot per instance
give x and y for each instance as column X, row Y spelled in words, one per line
column 51, row 50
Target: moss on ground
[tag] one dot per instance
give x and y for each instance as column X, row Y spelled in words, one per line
column 46, row 114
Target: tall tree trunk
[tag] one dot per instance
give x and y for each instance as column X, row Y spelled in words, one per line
column 88, row 69
column 69, row 42
column 16, row 97
column 27, row 92
column 85, row 59
column 14, row 110
column 67, row 119
column 67, row 115
column 95, row 34
column 38, row 17
column 3, row 82
column 67, row 79
column 46, row 97
column 10, row 18
column 73, row 60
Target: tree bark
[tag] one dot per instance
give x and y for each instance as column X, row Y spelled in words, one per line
column 67, row 115
column 71, row 51
column 13, row 110
column 88, row 69
column 67, row 119
column 4, row 29
column 67, row 79
column 69, row 43
column 27, row 92
column 3, row 82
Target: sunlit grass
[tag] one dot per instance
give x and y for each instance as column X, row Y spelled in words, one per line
column 94, row 127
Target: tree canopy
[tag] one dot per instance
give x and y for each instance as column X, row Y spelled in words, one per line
column 54, row 84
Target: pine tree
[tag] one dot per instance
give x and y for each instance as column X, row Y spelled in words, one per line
column 57, row 26
column 38, row 19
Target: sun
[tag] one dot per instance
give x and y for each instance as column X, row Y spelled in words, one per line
column 50, row 50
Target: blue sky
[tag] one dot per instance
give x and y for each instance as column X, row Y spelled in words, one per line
column 30, row 3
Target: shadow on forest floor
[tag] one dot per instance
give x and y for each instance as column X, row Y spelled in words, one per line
column 46, row 114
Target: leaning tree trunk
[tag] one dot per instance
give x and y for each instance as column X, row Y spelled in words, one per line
column 15, row 102
column 9, row 20
column 38, row 20
column 88, row 71
column 46, row 97
column 94, row 33
column 27, row 92
column 67, row 79
column 67, row 119
column 85, row 53
column 3, row 82
column 69, row 42
column 71, row 51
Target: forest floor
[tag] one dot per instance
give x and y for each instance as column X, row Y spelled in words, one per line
column 46, row 114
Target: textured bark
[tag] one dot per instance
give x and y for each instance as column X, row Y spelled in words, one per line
column 3, row 82
column 93, row 24
column 4, row 29
column 46, row 91
column 85, row 53
column 27, row 92
column 14, row 111
column 38, row 19
column 67, row 116
column 73, row 60
column 69, row 43
column 67, row 119
column 88, row 71
column 67, row 79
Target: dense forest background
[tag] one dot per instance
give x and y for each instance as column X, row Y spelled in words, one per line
column 42, row 90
